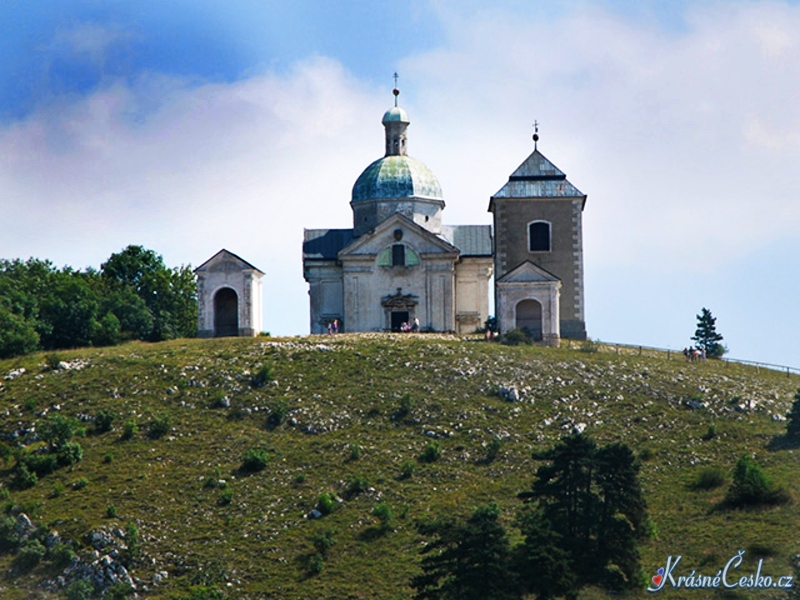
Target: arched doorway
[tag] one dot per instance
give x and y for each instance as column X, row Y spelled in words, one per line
column 529, row 316
column 226, row 313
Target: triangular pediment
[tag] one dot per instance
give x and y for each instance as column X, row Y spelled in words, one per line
column 423, row 241
column 226, row 261
column 537, row 177
column 527, row 272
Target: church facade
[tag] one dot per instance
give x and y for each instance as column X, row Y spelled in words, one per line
column 399, row 264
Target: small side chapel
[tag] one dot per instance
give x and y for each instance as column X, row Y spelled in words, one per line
column 399, row 263
column 228, row 297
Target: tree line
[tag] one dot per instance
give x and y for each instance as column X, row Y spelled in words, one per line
column 134, row 296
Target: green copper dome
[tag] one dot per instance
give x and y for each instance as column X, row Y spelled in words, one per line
column 395, row 114
column 396, row 176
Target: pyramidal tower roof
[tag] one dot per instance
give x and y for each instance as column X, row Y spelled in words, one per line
column 537, row 177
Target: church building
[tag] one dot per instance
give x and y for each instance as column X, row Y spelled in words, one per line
column 399, row 263
column 400, row 267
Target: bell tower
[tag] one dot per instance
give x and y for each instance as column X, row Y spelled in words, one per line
column 538, row 253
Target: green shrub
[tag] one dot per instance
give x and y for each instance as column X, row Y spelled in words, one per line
column 61, row 554
column 80, row 589
column 69, row 454
column 29, row 405
column 432, row 453
column 132, row 539
column 220, row 400
column 515, row 337
column 326, row 503
column 355, row 451
column 710, row 433
column 129, row 429
column 277, row 414
column 41, row 463
column 80, row 483
column 5, row 451
column 57, row 430
column 384, row 514
column 709, row 478
column 493, row 449
column 752, row 487
column 215, row 480
column 316, row 564
column 58, row 489
column 52, row 360
column 255, row 459
column 29, row 555
column 356, row 485
column 108, row 458
column 407, row 469
column 226, row 497
column 323, row 541
column 404, row 407
column 111, row 511
column 300, row 479
column 104, row 421
column 262, row 376
column 24, row 478
column 159, row 426
column 9, row 540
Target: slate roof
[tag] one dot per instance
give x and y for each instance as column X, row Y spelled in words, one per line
column 229, row 254
column 471, row 240
column 324, row 244
column 537, row 177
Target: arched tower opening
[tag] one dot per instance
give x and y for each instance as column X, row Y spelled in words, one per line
column 226, row 313
column 529, row 317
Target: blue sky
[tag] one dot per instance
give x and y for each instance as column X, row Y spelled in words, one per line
column 192, row 126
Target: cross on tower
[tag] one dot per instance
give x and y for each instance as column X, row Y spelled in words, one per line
column 396, row 90
column 535, row 134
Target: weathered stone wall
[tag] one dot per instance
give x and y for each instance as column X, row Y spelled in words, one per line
column 565, row 260
column 472, row 293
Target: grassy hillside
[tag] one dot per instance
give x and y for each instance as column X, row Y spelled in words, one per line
column 345, row 427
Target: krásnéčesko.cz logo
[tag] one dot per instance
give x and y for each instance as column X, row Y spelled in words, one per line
column 725, row 577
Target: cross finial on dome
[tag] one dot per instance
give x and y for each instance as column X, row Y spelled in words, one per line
column 535, row 134
column 396, row 90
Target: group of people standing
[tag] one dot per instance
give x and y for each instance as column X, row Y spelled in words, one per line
column 333, row 327
column 412, row 327
column 693, row 354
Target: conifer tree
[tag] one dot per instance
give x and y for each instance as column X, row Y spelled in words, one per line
column 706, row 336
column 466, row 561
column 590, row 498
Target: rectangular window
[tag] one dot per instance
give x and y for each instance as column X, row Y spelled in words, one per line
column 398, row 255
column 539, row 236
